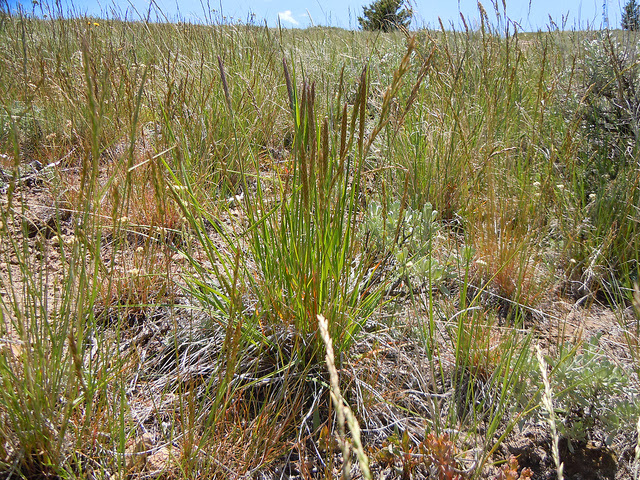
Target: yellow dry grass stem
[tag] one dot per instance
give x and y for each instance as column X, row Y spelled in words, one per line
column 343, row 411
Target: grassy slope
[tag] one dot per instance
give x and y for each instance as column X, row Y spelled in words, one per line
column 442, row 208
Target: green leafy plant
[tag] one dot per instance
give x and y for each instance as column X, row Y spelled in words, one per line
column 408, row 236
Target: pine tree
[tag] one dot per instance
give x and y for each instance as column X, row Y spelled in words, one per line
column 631, row 16
column 385, row 15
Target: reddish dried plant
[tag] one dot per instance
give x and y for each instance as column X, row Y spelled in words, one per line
column 509, row 471
column 440, row 456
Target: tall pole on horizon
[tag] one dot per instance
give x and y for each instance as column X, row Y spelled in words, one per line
column 605, row 15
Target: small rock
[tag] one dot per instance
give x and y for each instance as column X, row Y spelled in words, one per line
column 69, row 240
column 160, row 460
column 46, row 223
column 137, row 454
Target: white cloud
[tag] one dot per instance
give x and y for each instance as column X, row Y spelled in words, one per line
column 287, row 17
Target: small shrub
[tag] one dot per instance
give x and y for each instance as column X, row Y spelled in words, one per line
column 407, row 235
column 592, row 395
column 631, row 16
column 385, row 15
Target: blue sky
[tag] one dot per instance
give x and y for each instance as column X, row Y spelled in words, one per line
column 529, row 14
